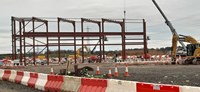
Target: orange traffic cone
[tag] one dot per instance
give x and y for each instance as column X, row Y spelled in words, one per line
column 116, row 71
column 109, row 73
column 98, row 71
column 52, row 71
column 126, row 71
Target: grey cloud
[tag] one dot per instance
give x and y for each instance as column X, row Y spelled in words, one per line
column 184, row 14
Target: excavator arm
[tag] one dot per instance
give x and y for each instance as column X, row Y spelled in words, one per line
column 92, row 52
column 174, row 47
column 191, row 40
column 193, row 49
column 78, row 51
column 169, row 24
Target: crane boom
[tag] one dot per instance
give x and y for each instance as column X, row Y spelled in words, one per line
column 105, row 39
column 169, row 24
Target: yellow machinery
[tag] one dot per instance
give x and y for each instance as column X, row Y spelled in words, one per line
column 92, row 58
column 78, row 52
column 41, row 57
column 193, row 54
column 192, row 49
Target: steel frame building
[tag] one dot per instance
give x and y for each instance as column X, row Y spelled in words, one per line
column 20, row 34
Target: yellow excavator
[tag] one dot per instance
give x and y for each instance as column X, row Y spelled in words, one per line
column 192, row 49
column 78, row 52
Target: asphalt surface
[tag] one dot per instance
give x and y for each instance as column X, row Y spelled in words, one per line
column 161, row 74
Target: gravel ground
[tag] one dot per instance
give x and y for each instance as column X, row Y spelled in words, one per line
column 6, row 86
column 161, row 74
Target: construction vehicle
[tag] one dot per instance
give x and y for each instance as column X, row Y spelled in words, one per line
column 192, row 50
column 78, row 53
column 91, row 59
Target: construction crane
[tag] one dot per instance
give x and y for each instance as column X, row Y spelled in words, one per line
column 92, row 51
column 193, row 49
column 105, row 39
column 95, row 57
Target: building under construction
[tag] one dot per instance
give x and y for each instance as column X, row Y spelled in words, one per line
column 30, row 33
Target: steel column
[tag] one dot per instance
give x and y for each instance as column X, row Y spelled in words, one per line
column 122, row 33
column 145, row 37
column 13, row 38
column 82, row 40
column 123, row 40
column 33, row 26
column 100, row 45
column 23, row 23
column 47, row 45
column 59, row 40
column 103, row 39
column 74, row 26
column 99, row 34
column 20, row 42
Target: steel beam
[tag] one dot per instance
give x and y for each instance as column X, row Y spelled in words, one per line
column 78, row 34
column 74, row 36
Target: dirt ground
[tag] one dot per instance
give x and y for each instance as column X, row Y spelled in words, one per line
column 161, row 74
column 6, row 86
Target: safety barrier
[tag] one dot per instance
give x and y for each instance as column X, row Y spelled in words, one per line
column 1, row 73
column 54, row 83
column 25, row 78
column 57, row 83
column 12, row 76
column 189, row 89
column 42, row 80
column 32, row 80
column 71, row 84
column 93, row 85
column 148, row 87
column 121, row 86
column 19, row 76
column 6, row 75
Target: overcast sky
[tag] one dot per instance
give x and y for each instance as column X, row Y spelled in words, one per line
column 184, row 15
